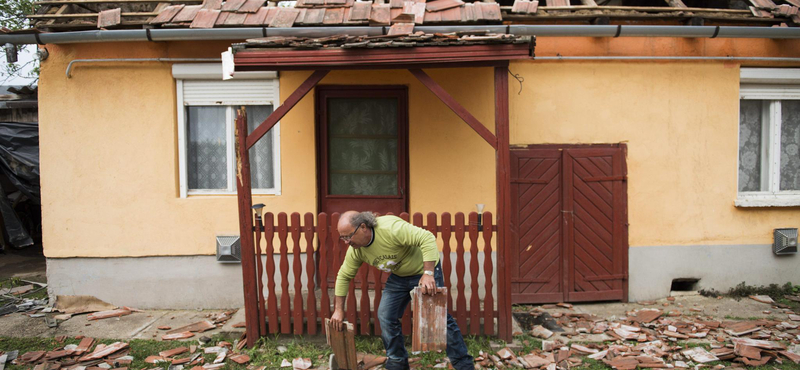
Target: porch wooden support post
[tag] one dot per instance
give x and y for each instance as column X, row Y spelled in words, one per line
column 504, row 257
column 287, row 105
column 244, row 197
column 457, row 108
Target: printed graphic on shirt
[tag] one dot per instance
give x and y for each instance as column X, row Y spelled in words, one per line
column 385, row 263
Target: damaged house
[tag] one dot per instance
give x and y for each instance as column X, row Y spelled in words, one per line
column 561, row 151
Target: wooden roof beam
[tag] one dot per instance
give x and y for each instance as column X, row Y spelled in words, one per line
column 457, row 108
column 635, row 8
column 287, row 105
column 85, row 15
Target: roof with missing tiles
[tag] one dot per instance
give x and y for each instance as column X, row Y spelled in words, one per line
column 63, row 15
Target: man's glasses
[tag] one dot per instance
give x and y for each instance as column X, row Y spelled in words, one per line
column 348, row 237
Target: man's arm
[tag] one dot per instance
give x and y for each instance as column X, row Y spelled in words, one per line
column 338, row 312
column 346, row 274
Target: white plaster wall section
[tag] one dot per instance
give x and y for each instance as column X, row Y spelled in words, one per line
column 720, row 267
column 149, row 282
column 195, row 281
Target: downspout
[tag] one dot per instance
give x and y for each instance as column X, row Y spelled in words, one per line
column 534, row 30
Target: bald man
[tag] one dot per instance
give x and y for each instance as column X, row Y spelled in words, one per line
column 411, row 256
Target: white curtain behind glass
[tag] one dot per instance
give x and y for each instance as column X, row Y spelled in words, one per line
column 750, row 145
column 206, row 158
column 362, row 146
column 790, row 140
column 262, row 163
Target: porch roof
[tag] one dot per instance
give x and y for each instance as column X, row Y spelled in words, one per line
column 399, row 51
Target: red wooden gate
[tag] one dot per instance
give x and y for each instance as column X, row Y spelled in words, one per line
column 536, row 191
column 569, row 224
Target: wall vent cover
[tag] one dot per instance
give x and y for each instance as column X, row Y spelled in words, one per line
column 229, row 249
column 785, row 241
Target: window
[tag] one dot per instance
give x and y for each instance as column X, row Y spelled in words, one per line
column 206, row 129
column 769, row 138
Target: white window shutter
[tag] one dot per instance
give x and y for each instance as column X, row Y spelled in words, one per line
column 231, row 92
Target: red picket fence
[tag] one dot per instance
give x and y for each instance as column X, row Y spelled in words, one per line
column 297, row 310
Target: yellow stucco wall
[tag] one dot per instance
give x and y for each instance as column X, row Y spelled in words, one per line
column 109, row 156
column 680, row 123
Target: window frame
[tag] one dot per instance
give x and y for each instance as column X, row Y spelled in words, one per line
column 211, row 72
column 771, row 85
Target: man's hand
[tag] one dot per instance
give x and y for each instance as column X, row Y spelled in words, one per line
column 428, row 284
column 336, row 319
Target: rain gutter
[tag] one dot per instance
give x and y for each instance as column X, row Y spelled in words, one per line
column 523, row 30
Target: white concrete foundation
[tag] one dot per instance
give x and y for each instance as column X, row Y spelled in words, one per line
column 187, row 282
column 652, row 269
column 202, row 282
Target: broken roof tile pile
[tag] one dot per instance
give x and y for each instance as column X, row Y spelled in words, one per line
column 214, row 13
column 117, row 356
column 399, row 36
column 653, row 338
column 768, row 9
column 56, row 15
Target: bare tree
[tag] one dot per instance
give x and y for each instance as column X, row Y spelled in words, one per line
column 12, row 17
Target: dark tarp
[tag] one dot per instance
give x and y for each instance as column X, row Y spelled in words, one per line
column 19, row 164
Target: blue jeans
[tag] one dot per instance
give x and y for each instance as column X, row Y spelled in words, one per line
column 393, row 303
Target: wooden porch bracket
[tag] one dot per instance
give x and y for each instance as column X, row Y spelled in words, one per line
column 457, row 108
column 244, row 196
column 287, row 105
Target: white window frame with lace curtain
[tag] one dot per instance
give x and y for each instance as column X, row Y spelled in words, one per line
column 199, row 86
column 772, row 87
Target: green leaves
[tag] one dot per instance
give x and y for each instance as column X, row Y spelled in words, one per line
column 12, row 13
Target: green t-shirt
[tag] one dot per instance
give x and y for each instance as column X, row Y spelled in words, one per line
column 398, row 247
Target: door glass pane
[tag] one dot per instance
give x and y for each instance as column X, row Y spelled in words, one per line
column 262, row 171
column 750, row 120
column 790, row 139
column 362, row 146
column 206, row 152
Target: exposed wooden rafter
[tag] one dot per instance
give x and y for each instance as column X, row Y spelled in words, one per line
column 655, row 9
column 457, row 108
column 85, row 15
column 287, row 105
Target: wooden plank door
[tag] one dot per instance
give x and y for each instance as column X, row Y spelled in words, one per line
column 536, row 226
column 569, row 224
column 595, row 217
column 363, row 148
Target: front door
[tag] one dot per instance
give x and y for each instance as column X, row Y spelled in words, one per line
column 363, row 148
column 569, row 224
